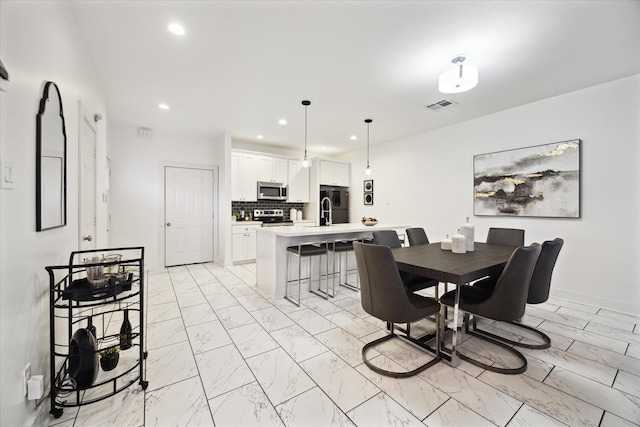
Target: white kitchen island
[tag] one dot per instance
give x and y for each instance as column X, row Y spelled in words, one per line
column 272, row 243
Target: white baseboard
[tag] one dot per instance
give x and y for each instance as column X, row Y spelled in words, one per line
column 40, row 416
column 627, row 307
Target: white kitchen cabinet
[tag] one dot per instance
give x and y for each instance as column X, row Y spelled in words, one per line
column 272, row 169
column 298, row 182
column 244, row 242
column 244, row 177
column 334, row 173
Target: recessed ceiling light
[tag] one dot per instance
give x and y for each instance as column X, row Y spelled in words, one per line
column 259, row 136
column 176, row 29
column 163, row 106
column 353, row 137
column 282, row 122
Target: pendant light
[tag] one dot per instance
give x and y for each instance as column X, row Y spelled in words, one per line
column 459, row 78
column 305, row 159
column 368, row 170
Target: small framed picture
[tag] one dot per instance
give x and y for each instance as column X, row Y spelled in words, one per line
column 368, row 185
column 368, row 198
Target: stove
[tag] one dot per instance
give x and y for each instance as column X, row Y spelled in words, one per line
column 271, row 217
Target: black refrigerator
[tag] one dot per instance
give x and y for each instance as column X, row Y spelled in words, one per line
column 339, row 197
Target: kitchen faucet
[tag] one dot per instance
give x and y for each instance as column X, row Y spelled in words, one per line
column 324, row 211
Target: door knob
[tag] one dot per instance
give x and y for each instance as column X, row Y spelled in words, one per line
column 88, row 238
column 168, row 224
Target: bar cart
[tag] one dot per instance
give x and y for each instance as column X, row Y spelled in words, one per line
column 97, row 323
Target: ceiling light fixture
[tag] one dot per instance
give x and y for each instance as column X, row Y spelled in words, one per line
column 176, row 29
column 259, row 136
column 163, row 106
column 305, row 159
column 282, row 122
column 459, row 78
column 353, row 137
column 368, row 170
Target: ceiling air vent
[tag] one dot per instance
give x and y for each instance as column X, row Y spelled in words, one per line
column 443, row 103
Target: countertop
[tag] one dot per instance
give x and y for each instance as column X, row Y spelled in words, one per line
column 234, row 223
column 313, row 230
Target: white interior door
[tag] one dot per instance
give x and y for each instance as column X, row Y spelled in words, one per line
column 87, row 184
column 188, row 215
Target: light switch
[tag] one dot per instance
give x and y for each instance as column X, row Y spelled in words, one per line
column 7, row 175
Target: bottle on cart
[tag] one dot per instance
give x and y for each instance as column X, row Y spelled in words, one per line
column 126, row 332
column 90, row 327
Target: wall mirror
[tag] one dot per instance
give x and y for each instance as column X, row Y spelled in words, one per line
column 51, row 161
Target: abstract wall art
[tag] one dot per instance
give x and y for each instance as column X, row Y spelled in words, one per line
column 539, row 181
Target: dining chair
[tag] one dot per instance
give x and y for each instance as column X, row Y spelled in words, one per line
column 538, row 292
column 412, row 282
column 417, row 236
column 386, row 238
column 384, row 297
column 506, row 302
column 505, row 236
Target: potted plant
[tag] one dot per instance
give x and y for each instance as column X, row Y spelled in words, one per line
column 234, row 216
column 109, row 358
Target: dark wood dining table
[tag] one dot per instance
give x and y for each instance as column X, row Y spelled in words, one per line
column 448, row 267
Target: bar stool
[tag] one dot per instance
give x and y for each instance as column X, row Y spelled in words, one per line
column 340, row 247
column 308, row 250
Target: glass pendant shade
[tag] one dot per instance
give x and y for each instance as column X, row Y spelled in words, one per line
column 458, row 79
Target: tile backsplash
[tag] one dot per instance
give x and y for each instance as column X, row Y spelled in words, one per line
column 266, row 204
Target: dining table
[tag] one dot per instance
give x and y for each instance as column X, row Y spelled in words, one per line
column 432, row 261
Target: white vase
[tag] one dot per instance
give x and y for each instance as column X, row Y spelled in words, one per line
column 468, row 231
column 445, row 245
column 458, row 243
column 299, row 215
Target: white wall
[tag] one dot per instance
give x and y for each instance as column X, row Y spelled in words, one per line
column 427, row 180
column 137, row 184
column 38, row 42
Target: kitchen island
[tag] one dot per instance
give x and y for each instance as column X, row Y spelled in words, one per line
column 272, row 243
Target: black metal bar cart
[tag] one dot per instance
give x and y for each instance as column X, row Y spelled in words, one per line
column 97, row 326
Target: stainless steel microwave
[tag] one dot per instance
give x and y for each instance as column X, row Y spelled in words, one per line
column 272, row 191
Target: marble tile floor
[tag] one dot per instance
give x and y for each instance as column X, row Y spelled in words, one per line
column 222, row 353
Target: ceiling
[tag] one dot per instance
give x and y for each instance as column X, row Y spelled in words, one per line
column 243, row 65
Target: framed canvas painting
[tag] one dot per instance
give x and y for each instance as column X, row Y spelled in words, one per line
column 539, row 181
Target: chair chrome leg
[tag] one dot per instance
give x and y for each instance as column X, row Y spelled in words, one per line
column 512, row 371
column 394, row 374
column 324, row 293
column 286, row 292
column 546, row 341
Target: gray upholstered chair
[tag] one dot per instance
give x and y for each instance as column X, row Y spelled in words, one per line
column 541, row 279
column 538, row 291
column 412, row 282
column 417, row 236
column 505, row 236
column 384, row 297
column 506, row 302
column 386, row 238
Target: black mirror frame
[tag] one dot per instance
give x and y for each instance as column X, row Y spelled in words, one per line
column 41, row 111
